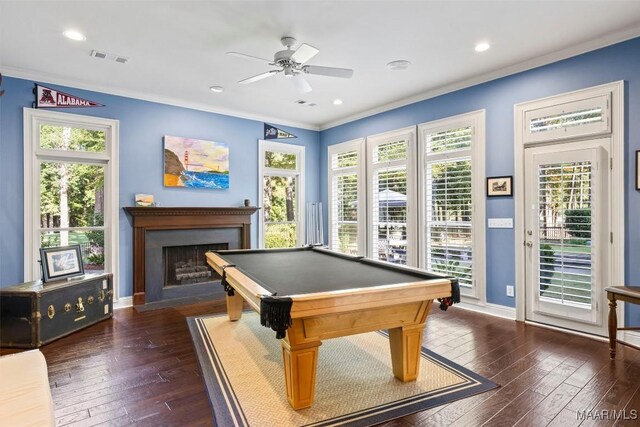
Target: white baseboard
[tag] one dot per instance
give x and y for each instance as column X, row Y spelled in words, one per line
column 568, row 331
column 123, row 302
column 490, row 309
column 630, row 337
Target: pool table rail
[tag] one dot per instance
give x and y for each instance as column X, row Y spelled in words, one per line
column 241, row 283
column 372, row 297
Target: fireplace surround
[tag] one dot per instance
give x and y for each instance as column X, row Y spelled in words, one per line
column 155, row 228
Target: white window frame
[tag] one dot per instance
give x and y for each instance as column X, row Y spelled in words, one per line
column 475, row 120
column 614, row 93
column 408, row 133
column 33, row 155
column 263, row 171
column 570, row 103
column 358, row 146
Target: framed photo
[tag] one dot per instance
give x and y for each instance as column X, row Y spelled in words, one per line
column 61, row 262
column 638, row 170
column 500, row 186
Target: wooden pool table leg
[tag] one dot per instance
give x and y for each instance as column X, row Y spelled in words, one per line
column 300, row 366
column 406, row 346
column 235, row 304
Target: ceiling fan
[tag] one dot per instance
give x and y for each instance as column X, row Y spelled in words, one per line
column 291, row 62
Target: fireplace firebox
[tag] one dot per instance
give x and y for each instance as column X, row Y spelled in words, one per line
column 185, row 265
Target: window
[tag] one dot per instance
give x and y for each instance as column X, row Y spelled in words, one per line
column 282, row 194
column 71, row 192
column 346, row 202
column 452, row 199
column 571, row 119
column 391, row 210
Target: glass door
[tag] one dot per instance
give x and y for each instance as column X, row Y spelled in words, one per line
column 567, row 235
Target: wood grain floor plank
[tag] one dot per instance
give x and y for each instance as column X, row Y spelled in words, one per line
column 517, row 410
column 550, row 406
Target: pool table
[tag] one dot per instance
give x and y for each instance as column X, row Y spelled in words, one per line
column 310, row 294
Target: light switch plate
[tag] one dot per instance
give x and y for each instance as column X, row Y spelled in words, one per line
column 500, row 222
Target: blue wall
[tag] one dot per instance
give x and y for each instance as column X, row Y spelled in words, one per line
column 142, row 126
column 614, row 63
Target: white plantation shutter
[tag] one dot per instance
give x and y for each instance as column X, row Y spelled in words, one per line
column 345, row 198
column 590, row 116
column 565, row 255
column 447, row 201
column 391, row 194
column 389, row 213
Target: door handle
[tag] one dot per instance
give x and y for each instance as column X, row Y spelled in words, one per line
column 529, row 244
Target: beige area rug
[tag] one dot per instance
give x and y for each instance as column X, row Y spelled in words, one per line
column 241, row 363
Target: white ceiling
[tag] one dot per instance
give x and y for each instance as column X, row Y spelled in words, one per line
column 177, row 48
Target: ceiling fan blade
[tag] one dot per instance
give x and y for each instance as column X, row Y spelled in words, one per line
column 245, row 56
column 345, row 73
column 259, row 77
column 304, row 53
column 301, row 84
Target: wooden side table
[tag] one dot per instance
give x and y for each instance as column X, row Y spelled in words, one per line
column 619, row 293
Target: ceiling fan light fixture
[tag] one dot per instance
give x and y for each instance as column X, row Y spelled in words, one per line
column 74, row 35
column 482, row 47
column 398, row 65
column 292, row 63
column 216, row 89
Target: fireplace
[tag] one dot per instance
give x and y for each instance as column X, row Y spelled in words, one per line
column 169, row 246
column 185, row 265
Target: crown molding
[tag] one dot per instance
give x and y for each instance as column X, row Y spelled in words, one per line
column 604, row 41
column 598, row 43
column 79, row 84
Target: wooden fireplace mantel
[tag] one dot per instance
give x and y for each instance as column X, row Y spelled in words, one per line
column 181, row 218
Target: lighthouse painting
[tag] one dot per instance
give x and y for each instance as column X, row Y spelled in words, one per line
column 195, row 163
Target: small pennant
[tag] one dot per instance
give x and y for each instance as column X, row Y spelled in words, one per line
column 51, row 98
column 272, row 132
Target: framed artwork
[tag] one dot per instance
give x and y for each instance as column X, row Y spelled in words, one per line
column 500, row 186
column 144, row 200
column 60, row 262
column 195, row 163
column 638, row 170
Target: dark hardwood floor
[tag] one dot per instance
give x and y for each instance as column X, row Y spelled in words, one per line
column 140, row 368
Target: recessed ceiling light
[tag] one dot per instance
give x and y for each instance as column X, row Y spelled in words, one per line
column 398, row 65
column 337, row 101
column 481, row 47
column 216, row 89
column 74, row 35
